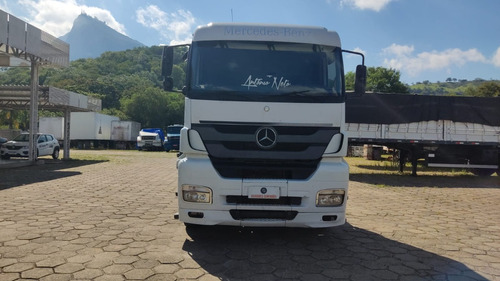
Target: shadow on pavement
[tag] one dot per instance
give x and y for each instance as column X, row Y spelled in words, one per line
column 342, row 253
column 456, row 181
column 50, row 170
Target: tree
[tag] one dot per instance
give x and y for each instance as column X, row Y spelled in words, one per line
column 487, row 89
column 153, row 107
column 380, row 80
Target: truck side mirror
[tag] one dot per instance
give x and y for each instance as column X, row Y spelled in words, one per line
column 168, row 84
column 360, row 83
column 167, row 61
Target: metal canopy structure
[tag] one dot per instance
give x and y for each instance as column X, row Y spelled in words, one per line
column 22, row 44
column 49, row 98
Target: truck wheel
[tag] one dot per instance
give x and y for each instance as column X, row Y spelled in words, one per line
column 55, row 154
column 483, row 172
column 6, row 157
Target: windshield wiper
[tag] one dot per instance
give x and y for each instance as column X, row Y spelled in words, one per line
column 296, row 93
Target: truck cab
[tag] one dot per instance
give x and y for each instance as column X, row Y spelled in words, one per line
column 173, row 137
column 263, row 138
column 150, row 139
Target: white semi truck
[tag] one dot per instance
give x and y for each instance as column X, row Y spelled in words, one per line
column 263, row 139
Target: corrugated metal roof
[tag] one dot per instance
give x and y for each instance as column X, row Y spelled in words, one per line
column 21, row 43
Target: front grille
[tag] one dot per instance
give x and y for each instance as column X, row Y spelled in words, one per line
column 263, row 215
column 234, row 152
column 13, row 147
column 282, row 201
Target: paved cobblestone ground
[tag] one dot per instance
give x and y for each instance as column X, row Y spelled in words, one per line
column 111, row 218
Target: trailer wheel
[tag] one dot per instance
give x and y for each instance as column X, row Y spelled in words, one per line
column 483, row 172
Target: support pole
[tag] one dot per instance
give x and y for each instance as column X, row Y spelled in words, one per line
column 67, row 137
column 33, row 112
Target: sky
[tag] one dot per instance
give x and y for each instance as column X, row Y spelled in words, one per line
column 423, row 39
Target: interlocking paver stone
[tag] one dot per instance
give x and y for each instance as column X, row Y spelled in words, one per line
column 112, row 219
column 36, row 273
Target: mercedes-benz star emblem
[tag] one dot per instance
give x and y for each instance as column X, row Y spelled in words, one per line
column 266, row 137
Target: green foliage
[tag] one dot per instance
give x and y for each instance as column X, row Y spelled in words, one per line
column 379, row 80
column 154, row 107
column 14, row 119
column 488, row 89
column 456, row 87
column 15, row 76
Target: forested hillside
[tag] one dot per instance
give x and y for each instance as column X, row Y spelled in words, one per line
column 127, row 82
column 455, row 87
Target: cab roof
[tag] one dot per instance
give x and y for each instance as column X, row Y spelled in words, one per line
column 267, row 33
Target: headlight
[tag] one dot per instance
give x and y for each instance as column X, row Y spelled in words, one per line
column 330, row 198
column 196, row 194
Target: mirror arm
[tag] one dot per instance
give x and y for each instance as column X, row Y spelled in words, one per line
column 356, row 53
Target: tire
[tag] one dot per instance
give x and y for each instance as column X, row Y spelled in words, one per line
column 55, row 154
column 5, row 157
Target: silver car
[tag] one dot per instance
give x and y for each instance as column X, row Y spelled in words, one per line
column 46, row 144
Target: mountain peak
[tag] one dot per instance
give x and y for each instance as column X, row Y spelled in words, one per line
column 89, row 38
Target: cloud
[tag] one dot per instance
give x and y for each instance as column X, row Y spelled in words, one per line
column 375, row 5
column 359, row 50
column 401, row 57
column 56, row 16
column 496, row 58
column 4, row 6
column 176, row 26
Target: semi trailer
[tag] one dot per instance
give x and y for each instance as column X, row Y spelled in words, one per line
column 443, row 131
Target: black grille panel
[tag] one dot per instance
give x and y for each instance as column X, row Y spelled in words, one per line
column 267, row 215
column 282, row 201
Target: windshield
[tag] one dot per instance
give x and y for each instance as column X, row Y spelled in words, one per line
column 22, row 137
column 174, row 130
column 266, row 70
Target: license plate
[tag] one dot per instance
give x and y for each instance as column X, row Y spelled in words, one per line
column 263, row 192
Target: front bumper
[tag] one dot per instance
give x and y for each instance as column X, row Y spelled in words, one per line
column 199, row 171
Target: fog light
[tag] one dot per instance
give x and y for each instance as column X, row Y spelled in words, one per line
column 330, row 198
column 196, row 194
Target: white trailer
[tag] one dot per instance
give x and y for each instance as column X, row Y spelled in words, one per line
column 124, row 133
column 455, row 132
column 93, row 130
column 263, row 138
column 52, row 125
